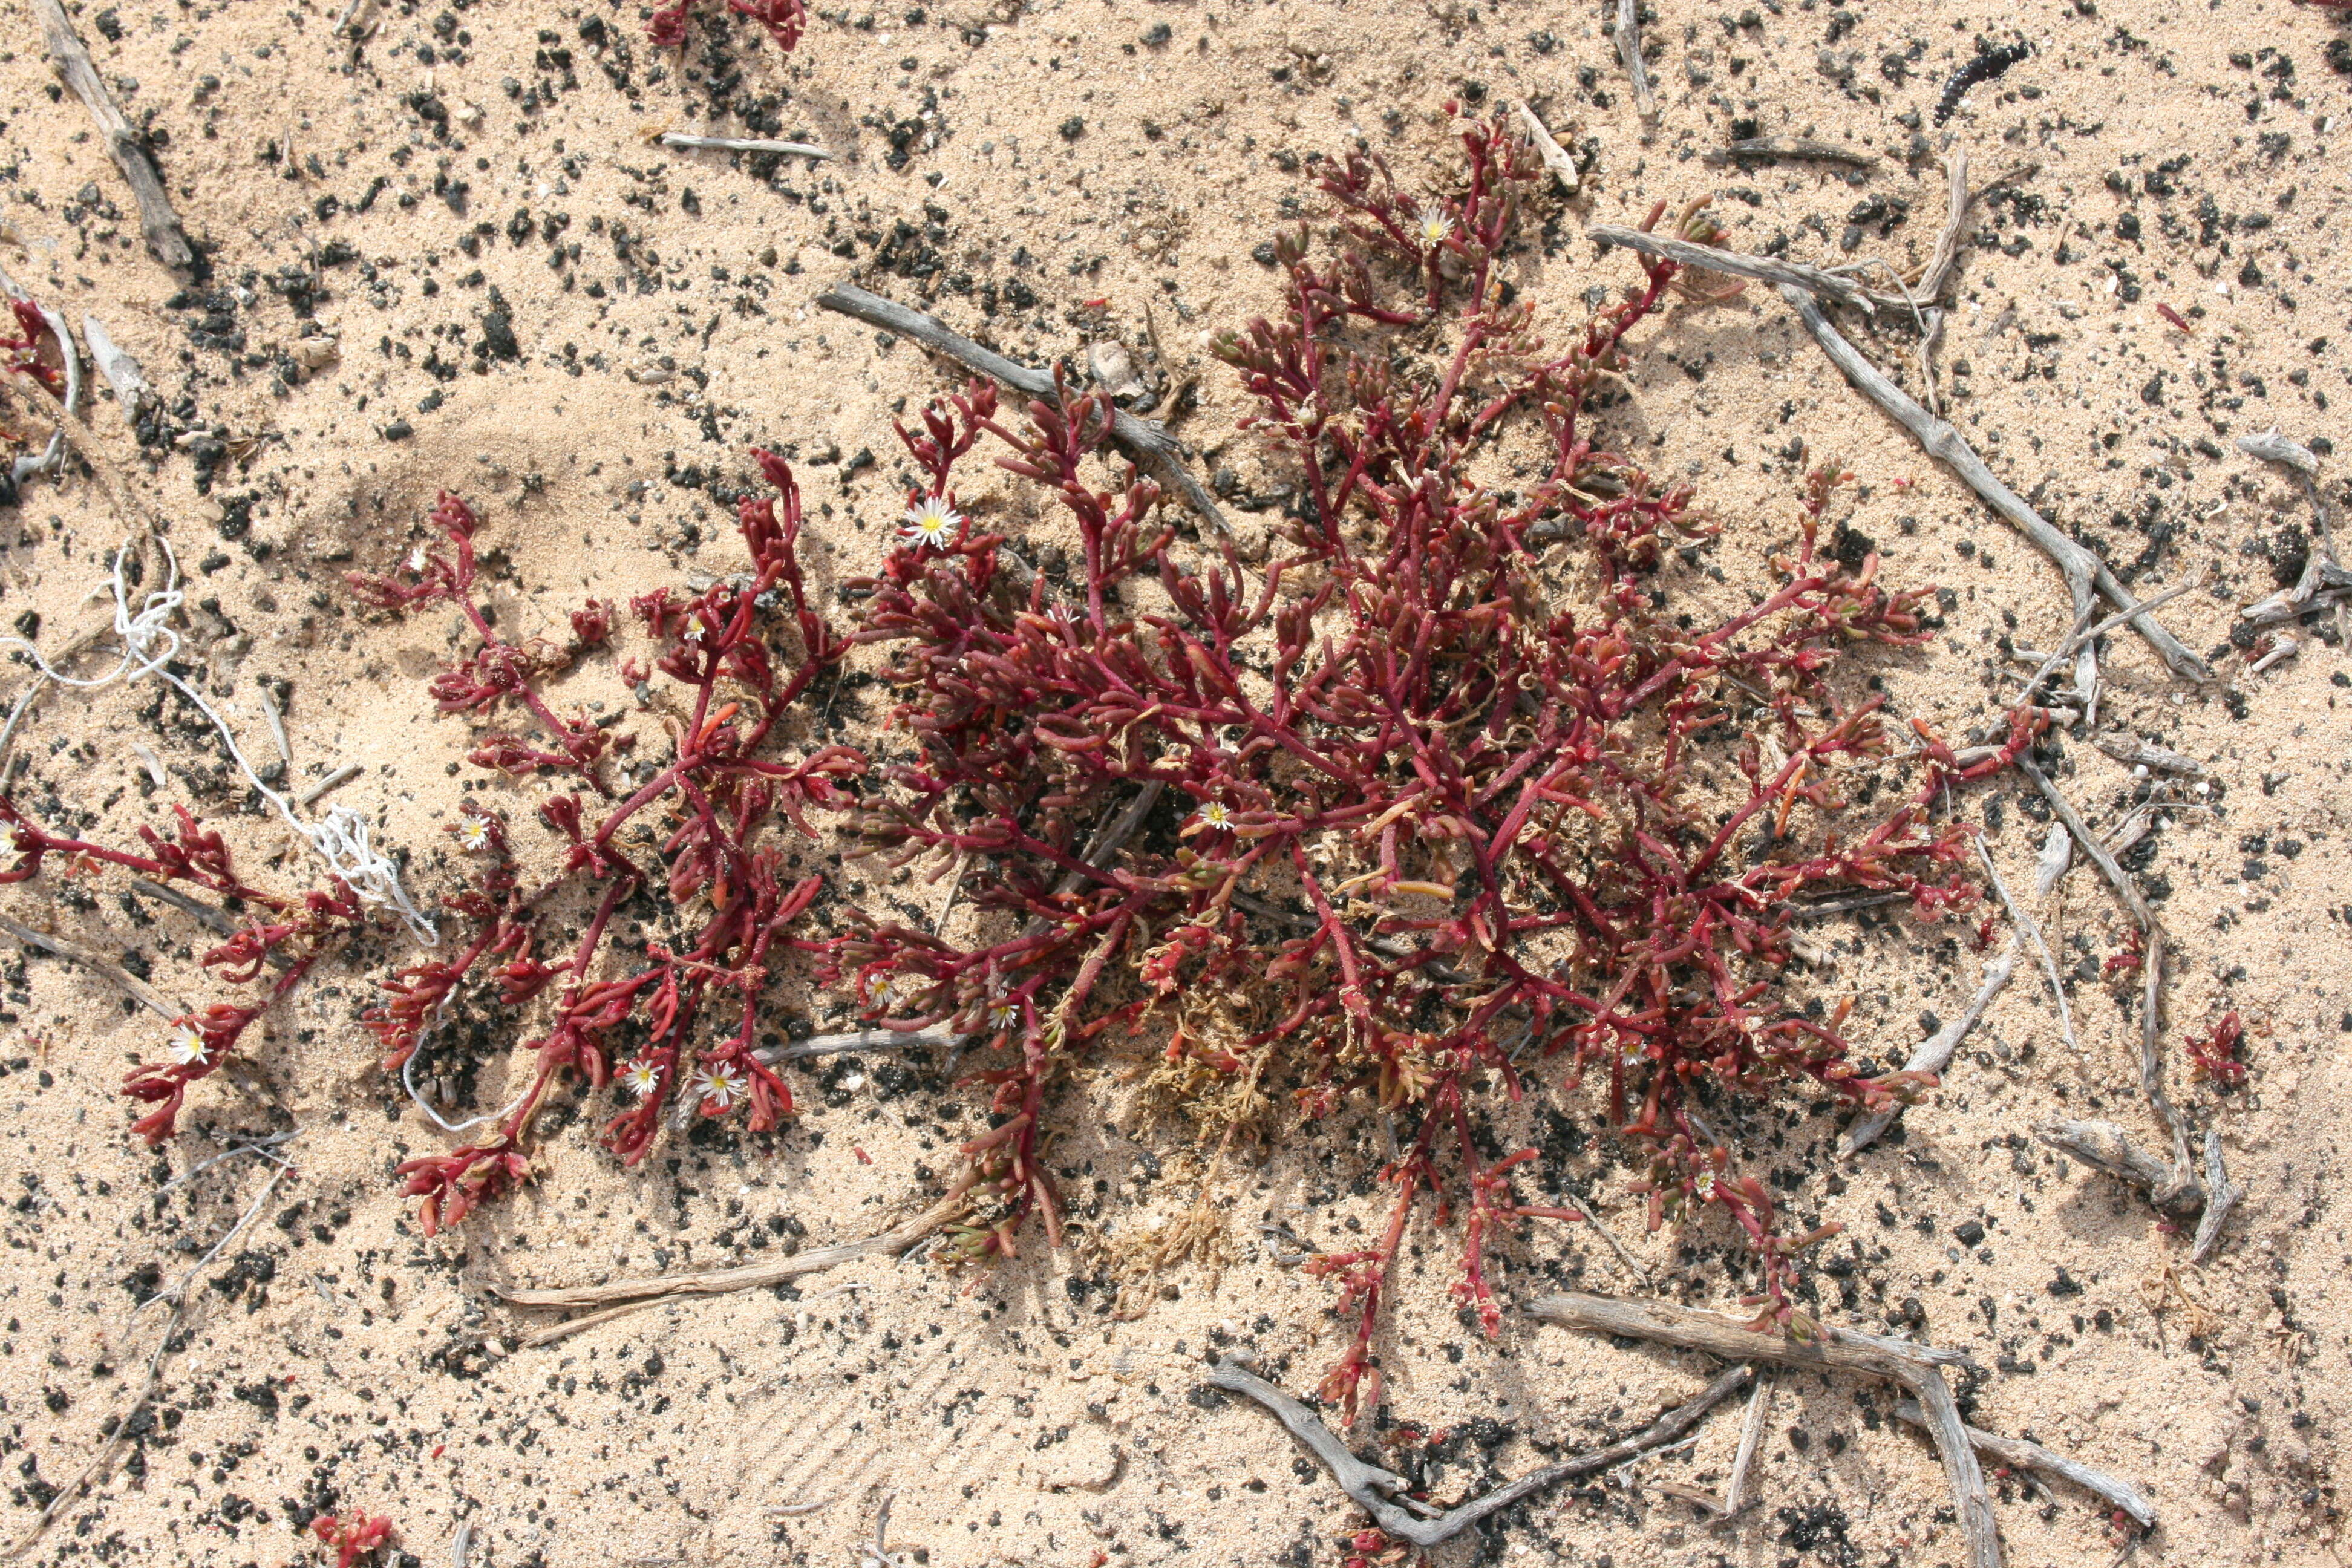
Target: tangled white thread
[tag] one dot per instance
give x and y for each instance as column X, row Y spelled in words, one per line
column 148, row 644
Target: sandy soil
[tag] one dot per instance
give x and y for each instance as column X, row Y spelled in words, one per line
column 584, row 332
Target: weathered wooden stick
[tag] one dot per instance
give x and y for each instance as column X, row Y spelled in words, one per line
column 138, row 990
column 1918, row 1368
column 1147, row 441
column 749, row 1276
column 1366, row 1484
column 2018, row 1454
column 2084, row 571
column 157, row 221
column 1935, row 1052
column 1763, row 269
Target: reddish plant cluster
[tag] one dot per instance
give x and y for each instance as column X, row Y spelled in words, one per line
column 351, row 1539
column 1463, row 817
column 22, row 352
column 722, row 799
column 785, row 21
column 2217, row 1055
column 298, row 933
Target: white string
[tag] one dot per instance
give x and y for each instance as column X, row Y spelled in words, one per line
column 148, row 643
column 409, row 1083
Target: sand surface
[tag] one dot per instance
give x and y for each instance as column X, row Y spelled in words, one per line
column 583, row 331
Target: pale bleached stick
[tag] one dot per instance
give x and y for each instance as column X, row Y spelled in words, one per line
column 1935, row 1052
column 1739, row 264
column 2090, row 845
column 2221, row 1195
column 749, row 1276
column 1367, row 1484
column 2025, row 921
column 157, row 221
column 114, row 1434
column 2018, row 1454
column 1918, row 1368
column 1147, row 441
column 1629, row 49
column 2085, row 571
column 2104, row 1146
column 741, row 144
column 138, row 990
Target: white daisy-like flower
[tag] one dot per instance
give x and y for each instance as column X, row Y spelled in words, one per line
column 1437, row 229
column 416, row 559
column 931, row 522
column 1001, row 1015
column 185, row 1046
column 640, row 1076
column 474, row 833
column 1216, row 817
column 720, row 1086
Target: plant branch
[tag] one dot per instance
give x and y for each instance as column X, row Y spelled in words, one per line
column 721, row 1281
column 2084, row 571
column 157, row 221
column 1366, row 1484
column 2018, row 1454
column 1918, row 1368
column 1147, row 441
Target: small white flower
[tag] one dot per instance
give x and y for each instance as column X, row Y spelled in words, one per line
column 186, row 1045
column 416, row 559
column 474, row 833
column 931, row 522
column 1001, row 1015
column 640, row 1076
column 1215, row 817
column 1437, row 229
column 720, row 1086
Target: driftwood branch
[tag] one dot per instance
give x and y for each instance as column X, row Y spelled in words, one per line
column 1366, row 1485
column 1147, row 441
column 138, row 990
column 1739, row 264
column 749, row 1276
column 1629, row 49
column 2018, row 1454
column 2221, row 1195
column 686, row 139
column 1918, row 1368
column 1935, row 1052
column 2085, row 571
column 2104, row 1146
column 2089, row 843
column 857, row 1040
column 157, row 221
column 2025, row 921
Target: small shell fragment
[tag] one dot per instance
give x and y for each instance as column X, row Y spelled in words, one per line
column 1112, row 368
column 318, row 353
column 1555, row 157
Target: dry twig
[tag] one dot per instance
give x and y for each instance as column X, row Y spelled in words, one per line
column 138, row 990
column 1935, row 1052
column 1147, row 441
column 741, row 144
column 2025, row 923
column 1367, row 1485
column 2018, row 1454
column 891, row 1243
column 157, row 221
column 1629, row 49
column 1739, row 264
column 1918, row 1368
column 2084, row 571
